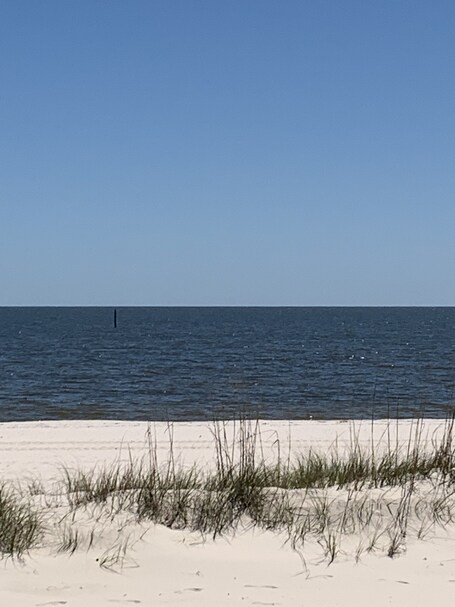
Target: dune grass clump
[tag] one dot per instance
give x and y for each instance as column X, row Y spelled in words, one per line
column 319, row 495
column 100, row 484
column 20, row 525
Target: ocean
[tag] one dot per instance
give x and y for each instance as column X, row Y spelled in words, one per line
column 206, row 363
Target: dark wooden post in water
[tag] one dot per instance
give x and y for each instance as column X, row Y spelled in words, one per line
column 115, row 318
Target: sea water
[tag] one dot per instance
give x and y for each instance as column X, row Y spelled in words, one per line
column 206, row 363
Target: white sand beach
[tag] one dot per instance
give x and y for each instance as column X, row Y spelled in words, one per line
column 120, row 560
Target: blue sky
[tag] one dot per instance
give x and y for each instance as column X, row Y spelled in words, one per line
column 227, row 152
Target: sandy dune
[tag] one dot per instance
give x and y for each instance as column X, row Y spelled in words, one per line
column 174, row 567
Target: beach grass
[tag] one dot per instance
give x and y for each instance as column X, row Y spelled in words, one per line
column 324, row 495
column 20, row 524
column 381, row 496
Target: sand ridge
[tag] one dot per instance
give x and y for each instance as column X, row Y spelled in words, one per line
column 165, row 566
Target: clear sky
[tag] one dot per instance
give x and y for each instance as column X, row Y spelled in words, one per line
column 227, row 152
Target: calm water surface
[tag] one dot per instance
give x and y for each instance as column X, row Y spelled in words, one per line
column 201, row 363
